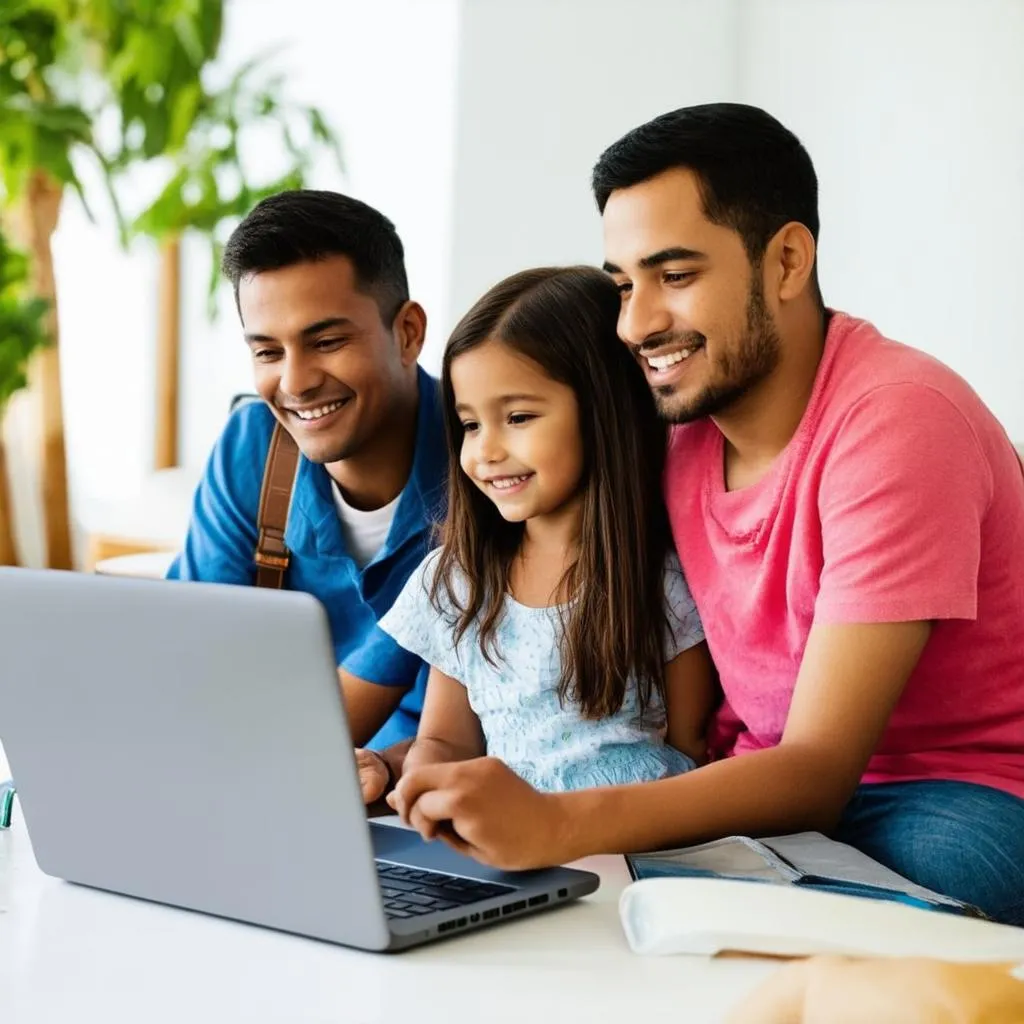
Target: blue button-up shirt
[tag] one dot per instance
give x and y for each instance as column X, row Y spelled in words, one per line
column 222, row 539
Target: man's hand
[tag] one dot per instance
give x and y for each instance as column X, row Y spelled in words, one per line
column 482, row 809
column 373, row 775
column 373, row 768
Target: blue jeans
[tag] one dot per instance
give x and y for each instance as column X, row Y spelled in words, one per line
column 957, row 838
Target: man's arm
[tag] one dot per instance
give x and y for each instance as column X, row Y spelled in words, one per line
column 367, row 705
column 849, row 682
column 376, row 770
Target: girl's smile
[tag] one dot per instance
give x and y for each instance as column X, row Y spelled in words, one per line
column 521, row 442
column 506, row 486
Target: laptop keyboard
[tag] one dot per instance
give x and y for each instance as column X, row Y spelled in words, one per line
column 410, row 892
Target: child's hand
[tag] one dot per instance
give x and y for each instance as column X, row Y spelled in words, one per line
column 428, row 830
column 482, row 809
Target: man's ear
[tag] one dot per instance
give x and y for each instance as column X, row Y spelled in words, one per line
column 410, row 330
column 789, row 261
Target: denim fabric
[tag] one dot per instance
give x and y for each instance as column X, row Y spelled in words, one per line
column 957, row 838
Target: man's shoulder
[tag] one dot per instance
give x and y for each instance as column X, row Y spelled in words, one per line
column 870, row 370
column 249, row 427
column 429, row 381
column 890, row 404
column 240, row 453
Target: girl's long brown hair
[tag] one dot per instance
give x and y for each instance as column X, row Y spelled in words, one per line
column 564, row 319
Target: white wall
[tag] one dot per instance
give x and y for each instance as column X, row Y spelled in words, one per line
column 544, row 87
column 911, row 110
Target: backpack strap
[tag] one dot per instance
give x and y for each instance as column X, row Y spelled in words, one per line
column 279, row 474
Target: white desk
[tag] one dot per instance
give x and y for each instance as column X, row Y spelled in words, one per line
column 73, row 954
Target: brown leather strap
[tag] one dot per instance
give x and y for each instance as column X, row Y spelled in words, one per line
column 275, row 500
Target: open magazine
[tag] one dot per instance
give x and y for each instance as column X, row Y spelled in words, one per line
column 806, row 859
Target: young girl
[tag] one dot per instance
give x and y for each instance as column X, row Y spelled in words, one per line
column 560, row 631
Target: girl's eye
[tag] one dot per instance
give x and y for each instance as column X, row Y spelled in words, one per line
column 469, row 426
column 325, row 344
column 624, row 287
column 265, row 355
column 518, row 418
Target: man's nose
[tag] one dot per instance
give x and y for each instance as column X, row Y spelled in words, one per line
column 643, row 315
column 300, row 377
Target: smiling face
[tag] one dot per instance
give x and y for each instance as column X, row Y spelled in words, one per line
column 521, row 445
column 323, row 358
column 693, row 307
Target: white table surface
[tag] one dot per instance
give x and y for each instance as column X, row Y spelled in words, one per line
column 68, row 953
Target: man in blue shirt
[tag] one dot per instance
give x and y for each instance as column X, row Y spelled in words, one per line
column 321, row 290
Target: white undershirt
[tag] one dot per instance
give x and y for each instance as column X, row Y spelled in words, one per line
column 364, row 532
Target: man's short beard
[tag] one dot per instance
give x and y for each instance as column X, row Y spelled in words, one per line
column 755, row 359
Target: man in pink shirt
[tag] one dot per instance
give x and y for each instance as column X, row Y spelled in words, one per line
column 850, row 518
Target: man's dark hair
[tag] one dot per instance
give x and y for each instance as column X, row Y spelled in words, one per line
column 306, row 225
column 754, row 174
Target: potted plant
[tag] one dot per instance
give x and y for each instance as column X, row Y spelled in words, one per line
column 22, row 333
column 69, row 66
column 209, row 187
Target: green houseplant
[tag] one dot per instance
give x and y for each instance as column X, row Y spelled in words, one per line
column 68, row 67
column 39, row 128
column 22, row 333
column 208, row 187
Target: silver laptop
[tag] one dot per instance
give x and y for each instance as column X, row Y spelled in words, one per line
column 187, row 743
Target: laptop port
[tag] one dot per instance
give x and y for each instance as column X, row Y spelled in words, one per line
column 513, row 907
column 562, row 893
column 538, row 901
column 445, row 926
column 461, row 923
column 490, row 915
column 473, row 918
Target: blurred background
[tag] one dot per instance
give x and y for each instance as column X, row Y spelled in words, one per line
column 473, row 125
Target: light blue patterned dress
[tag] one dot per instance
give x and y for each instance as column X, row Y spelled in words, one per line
column 524, row 724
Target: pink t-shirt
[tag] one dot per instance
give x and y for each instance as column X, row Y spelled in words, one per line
column 899, row 498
